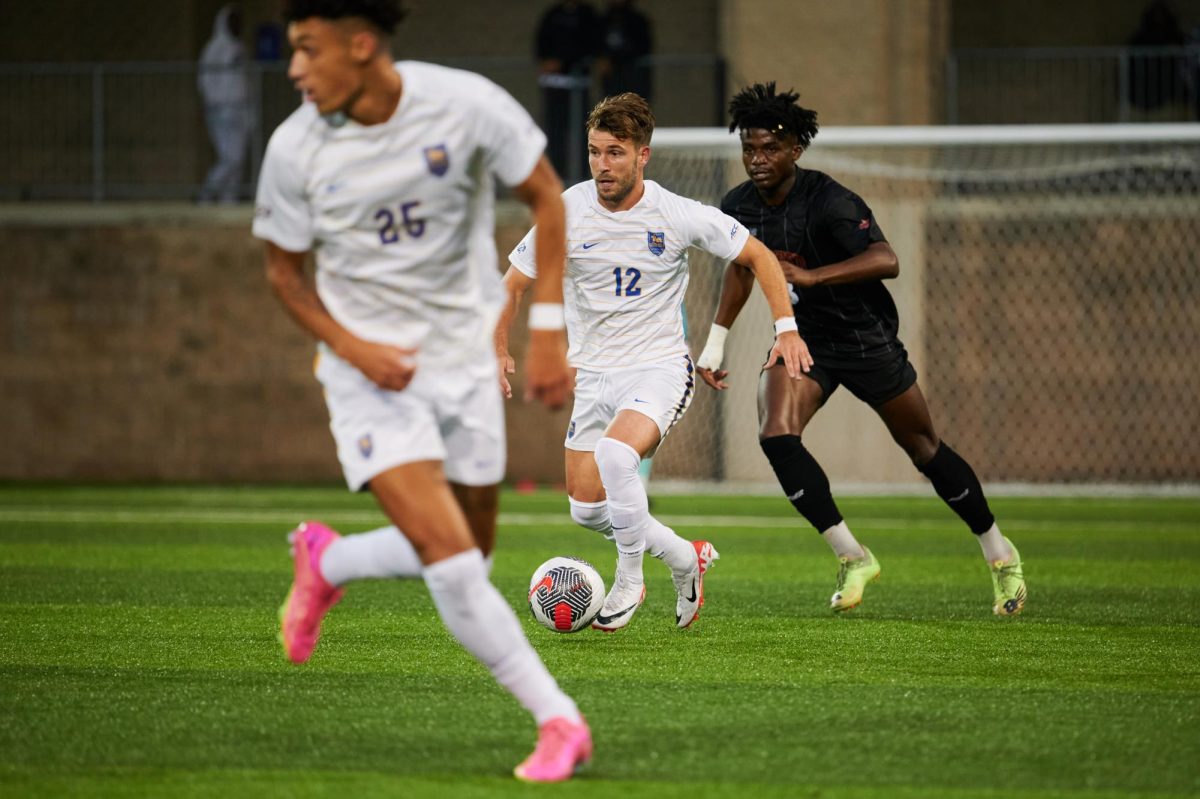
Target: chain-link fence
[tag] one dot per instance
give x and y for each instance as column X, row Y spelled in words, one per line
column 102, row 131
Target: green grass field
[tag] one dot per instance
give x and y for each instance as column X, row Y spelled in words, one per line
column 138, row 657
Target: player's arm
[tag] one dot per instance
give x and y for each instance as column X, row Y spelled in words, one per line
column 547, row 377
column 788, row 345
column 387, row 366
column 516, row 283
column 877, row 262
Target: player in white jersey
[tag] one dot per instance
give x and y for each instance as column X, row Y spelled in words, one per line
column 627, row 272
column 386, row 176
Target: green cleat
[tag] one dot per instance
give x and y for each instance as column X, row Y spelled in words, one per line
column 853, row 577
column 1008, row 584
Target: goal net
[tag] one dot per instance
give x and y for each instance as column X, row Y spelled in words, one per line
column 1049, row 297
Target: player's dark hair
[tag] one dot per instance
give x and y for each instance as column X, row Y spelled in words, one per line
column 626, row 116
column 383, row 14
column 758, row 106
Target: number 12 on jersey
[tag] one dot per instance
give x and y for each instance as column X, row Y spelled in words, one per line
column 631, row 289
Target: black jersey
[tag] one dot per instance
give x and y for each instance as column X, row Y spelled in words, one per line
column 822, row 222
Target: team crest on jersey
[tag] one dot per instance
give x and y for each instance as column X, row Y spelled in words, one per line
column 366, row 446
column 656, row 242
column 438, row 159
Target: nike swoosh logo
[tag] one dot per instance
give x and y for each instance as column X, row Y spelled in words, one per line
column 960, row 496
column 796, row 496
column 647, row 402
column 602, row 619
column 590, row 246
column 692, row 598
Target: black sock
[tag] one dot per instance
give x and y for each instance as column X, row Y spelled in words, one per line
column 803, row 480
column 956, row 483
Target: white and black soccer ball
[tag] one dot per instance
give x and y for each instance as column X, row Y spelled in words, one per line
column 566, row 594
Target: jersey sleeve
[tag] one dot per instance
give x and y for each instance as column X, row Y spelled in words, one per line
column 524, row 255
column 512, row 142
column 281, row 211
column 850, row 222
column 714, row 231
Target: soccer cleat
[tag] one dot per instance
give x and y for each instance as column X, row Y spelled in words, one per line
column 689, row 586
column 852, row 578
column 562, row 748
column 1008, row 584
column 310, row 597
column 622, row 602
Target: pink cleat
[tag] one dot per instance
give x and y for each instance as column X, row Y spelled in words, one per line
column 311, row 597
column 562, row 748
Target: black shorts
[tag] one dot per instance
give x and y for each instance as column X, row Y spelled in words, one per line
column 875, row 379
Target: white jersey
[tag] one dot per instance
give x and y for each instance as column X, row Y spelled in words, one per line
column 401, row 215
column 627, row 273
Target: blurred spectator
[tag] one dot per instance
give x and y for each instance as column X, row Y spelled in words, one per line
column 567, row 42
column 226, row 93
column 626, row 38
column 1156, row 79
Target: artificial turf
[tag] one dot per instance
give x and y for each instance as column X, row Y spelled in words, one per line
column 138, row 656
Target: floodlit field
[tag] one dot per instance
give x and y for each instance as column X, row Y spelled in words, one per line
column 138, row 657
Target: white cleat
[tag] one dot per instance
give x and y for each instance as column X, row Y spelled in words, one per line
column 689, row 586
column 623, row 600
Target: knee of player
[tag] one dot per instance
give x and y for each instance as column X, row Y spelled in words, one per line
column 590, row 515
column 921, row 447
column 616, row 461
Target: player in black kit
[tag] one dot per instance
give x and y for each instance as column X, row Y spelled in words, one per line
column 836, row 258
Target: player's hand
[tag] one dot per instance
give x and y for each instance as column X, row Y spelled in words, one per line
column 387, row 366
column 714, row 377
column 547, row 376
column 793, row 350
column 507, row 367
column 797, row 276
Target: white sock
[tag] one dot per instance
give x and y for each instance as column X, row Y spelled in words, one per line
column 668, row 546
column 995, row 548
column 842, row 542
column 378, row 554
column 627, row 505
column 592, row 516
column 661, row 541
column 475, row 614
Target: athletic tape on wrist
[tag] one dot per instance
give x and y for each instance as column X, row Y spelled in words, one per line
column 786, row 324
column 546, row 316
column 714, row 348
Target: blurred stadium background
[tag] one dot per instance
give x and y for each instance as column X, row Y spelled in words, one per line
column 1048, row 288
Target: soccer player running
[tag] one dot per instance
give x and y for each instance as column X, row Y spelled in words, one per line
column 835, row 257
column 386, row 175
column 627, row 272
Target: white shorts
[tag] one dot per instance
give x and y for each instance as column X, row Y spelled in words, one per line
column 662, row 391
column 451, row 415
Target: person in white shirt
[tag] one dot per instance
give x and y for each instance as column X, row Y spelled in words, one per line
column 627, row 272
column 225, row 90
column 386, row 175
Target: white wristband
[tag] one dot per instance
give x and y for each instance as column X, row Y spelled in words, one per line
column 714, row 348
column 786, row 324
column 546, row 316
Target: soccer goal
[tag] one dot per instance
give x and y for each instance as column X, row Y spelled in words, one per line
column 1049, row 297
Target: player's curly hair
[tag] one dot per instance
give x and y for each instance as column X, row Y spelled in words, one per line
column 626, row 116
column 383, row 14
column 758, row 106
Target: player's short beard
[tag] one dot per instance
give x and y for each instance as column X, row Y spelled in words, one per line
column 621, row 189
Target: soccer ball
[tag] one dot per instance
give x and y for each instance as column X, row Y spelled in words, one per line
column 566, row 594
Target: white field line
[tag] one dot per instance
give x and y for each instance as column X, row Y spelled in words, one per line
column 283, row 518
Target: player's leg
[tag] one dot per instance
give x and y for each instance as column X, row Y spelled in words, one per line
column 650, row 401
column 908, row 420
column 418, row 499
column 785, row 407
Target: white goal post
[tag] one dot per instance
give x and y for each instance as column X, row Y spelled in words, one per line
column 1049, row 296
